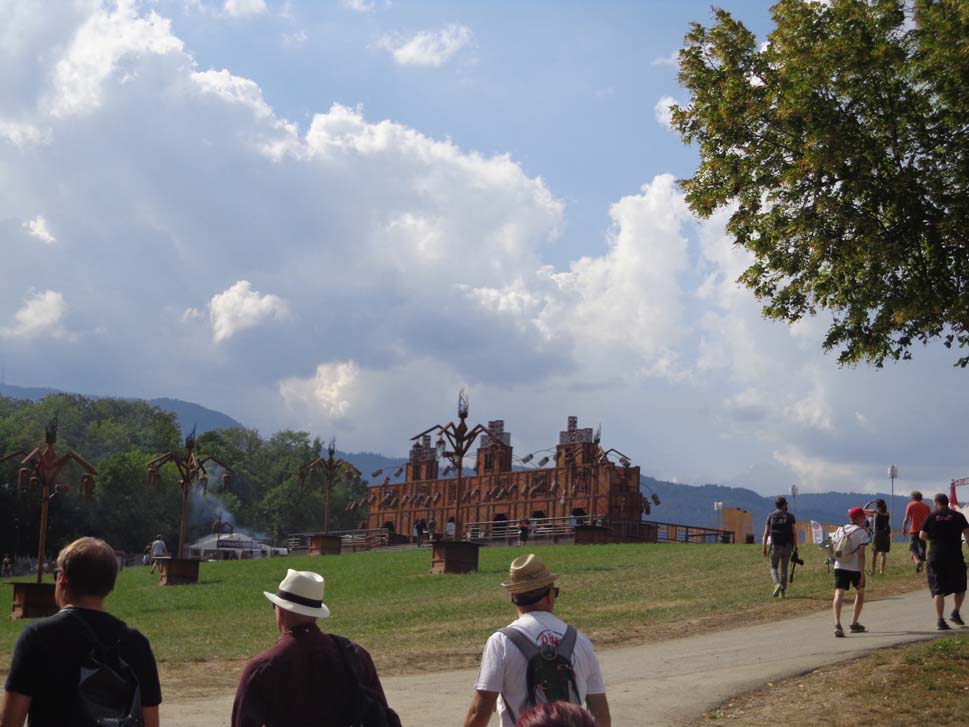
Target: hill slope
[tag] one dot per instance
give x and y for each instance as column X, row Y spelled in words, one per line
column 187, row 413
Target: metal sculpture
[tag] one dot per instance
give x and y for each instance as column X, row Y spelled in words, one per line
column 192, row 469
column 460, row 438
column 332, row 469
column 42, row 468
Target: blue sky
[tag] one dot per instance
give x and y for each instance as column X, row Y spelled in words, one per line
column 333, row 215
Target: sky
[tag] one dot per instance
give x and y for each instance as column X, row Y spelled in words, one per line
column 332, row 216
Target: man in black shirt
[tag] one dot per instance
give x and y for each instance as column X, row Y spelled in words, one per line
column 780, row 529
column 946, row 567
column 46, row 665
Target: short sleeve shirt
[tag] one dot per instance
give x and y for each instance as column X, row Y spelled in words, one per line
column 503, row 666
column 944, row 529
column 859, row 538
column 785, row 525
column 47, row 659
column 917, row 511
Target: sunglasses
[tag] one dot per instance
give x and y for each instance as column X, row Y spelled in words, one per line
column 555, row 590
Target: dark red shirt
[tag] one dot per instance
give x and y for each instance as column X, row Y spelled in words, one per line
column 301, row 682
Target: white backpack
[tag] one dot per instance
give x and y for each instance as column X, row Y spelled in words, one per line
column 842, row 546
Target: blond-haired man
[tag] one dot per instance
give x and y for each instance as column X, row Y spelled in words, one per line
column 47, row 660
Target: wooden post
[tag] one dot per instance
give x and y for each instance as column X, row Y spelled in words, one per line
column 43, row 532
column 326, row 506
column 184, row 525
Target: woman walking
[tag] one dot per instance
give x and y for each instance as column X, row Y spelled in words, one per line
column 882, row 540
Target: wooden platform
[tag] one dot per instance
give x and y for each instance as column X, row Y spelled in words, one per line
column 178, row 571
column 325, row 545
column 591, row 535
column 454, row 556
column 33, row 600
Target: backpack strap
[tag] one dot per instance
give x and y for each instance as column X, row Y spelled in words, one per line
column 525, row 645
column 567, row 644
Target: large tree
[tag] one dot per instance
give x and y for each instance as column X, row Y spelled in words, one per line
column 841, row 147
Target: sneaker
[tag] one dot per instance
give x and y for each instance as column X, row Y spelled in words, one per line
column 856, row 628
column 777, row 590
column 956, row 618
column 839, row 632
column 783, row 593
column 943, row 626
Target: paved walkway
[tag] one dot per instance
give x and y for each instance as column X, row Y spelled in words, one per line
column 664, row 683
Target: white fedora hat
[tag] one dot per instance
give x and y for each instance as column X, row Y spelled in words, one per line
column 301, row 591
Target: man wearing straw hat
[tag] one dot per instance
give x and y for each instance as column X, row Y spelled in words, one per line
column 308, row 677
column 503, row 680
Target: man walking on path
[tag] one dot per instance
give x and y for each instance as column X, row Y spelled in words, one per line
column 780, row 528
column 946, row 568
column 47, row 661
column 849, row 569
column 504, row 675
column 308, row 677
column 915, row 513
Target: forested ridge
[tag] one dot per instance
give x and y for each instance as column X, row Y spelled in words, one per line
column 119, row 437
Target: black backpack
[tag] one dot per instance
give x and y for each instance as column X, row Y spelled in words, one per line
column 108, row 691
column 780, row 528
column 368, row 709
column 549, row 668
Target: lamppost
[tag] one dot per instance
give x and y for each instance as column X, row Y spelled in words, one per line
column 332, row 469
column 192, row 469
column 454, row 441
column 42, row 468
column 892, row 474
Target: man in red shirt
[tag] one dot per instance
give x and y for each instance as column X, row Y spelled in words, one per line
column 915, row 514
column 308, row 677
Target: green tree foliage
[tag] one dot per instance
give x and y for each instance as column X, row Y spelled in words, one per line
column 842, row 149
column 120, row 437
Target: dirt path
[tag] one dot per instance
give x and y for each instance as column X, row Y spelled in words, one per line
column 668, row 683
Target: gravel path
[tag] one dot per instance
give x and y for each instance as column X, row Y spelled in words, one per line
column 664, row 683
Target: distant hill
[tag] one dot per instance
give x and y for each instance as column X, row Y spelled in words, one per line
column 188, row 414
column 693, row 504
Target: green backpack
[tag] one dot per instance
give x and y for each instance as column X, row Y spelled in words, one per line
column 549, row 668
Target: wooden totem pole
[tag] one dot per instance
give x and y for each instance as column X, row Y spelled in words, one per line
column 191, row 467
column 42, row 469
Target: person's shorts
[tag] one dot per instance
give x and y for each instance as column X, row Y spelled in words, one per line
column 946, row 577
column 917, row 546
column 845, row 579
column 882, row 543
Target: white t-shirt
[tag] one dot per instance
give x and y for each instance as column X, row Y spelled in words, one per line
column 158, row 548
column 503, row 666
column 859, row 537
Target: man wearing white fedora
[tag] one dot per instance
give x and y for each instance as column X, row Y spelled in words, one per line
column 510, row 675
column 308, row 677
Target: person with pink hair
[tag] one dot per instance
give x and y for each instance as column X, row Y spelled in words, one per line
column 556, row 714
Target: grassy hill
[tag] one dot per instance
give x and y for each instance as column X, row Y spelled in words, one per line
column 387, row 600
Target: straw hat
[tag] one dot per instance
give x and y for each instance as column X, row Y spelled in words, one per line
column 301, row 591
column 528, row 573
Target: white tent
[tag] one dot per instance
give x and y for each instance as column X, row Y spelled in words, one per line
column 234, row 546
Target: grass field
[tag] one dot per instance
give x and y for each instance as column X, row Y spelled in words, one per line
column 411, row 620
column 922, row 684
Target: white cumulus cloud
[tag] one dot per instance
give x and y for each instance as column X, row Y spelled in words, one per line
column 663, row 111
column 240, row 307
column 39, row 316
column 427, row 47
column 330, row 390
column 244, row 8
column 39, row 228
